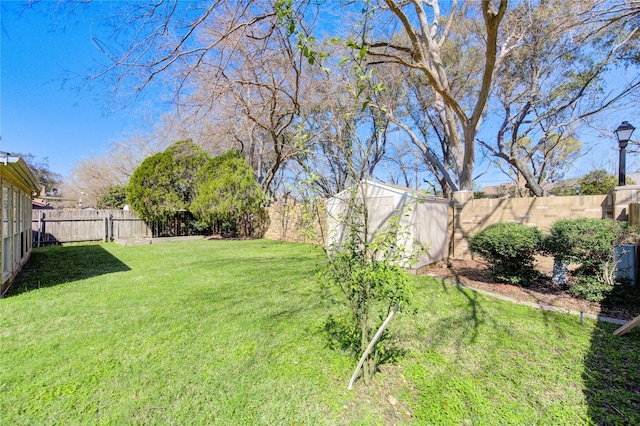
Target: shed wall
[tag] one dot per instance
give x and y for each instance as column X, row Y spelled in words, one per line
column 16, row 186
column 425, row 220
column 430, row 221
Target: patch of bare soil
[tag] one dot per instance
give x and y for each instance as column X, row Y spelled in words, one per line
column 386, row 396
column 475, row 274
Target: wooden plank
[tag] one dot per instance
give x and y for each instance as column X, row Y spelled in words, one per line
column 87, row 225
column 628, row 326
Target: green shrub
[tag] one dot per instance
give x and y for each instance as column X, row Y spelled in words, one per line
column 510, row 248
column 589, row 243
column 590, row 288
column 585, row 241
column 115, row 197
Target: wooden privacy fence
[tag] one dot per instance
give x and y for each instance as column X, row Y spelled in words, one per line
column 64, row 226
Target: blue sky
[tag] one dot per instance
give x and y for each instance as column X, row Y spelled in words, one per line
column 44, row 114
column 42, row 110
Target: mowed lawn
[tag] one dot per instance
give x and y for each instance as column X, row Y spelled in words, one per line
column 232, row 333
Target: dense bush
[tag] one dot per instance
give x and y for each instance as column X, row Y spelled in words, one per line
column 227, row 195
column 164, row 184
column 583, row 240
column 510, row 248
column 589, row 243
column 114, row 198
column 597, row 182
column 590, row 287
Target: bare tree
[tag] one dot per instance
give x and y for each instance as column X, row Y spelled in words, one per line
column 426, row 31
column 170, row 41
column 345, row 134
column 615, row 21
column 93, row 176
column 256, row 102
column 411, row 107
column 235, row 68
column 241, row 75
column 551, row 84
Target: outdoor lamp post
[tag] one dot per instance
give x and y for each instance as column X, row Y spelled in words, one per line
column 623, row 133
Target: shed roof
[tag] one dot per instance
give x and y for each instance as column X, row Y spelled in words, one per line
column 402, row 190
column 17, row 167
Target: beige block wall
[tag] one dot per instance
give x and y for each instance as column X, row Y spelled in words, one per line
column 469, row 216
column 297, row 223
column 622, row 197
column 308, row 223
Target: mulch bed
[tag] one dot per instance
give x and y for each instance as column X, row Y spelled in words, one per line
column 474, row 274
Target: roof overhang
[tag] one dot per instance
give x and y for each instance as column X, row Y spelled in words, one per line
column 19, row 168
column 401, row 190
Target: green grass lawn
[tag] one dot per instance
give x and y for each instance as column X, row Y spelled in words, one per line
column 230, row 332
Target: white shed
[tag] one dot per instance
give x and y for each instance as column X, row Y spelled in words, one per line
column 424, row 217
column 18, row 186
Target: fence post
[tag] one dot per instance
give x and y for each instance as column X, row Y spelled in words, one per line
column 110, row 227
column 40, row 225
column 106, row 229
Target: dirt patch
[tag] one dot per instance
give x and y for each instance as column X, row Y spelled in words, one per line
column 475, row 274
column 388, row 396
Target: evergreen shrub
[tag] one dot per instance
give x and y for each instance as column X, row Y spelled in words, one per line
column 510, row 248
column 589, row 243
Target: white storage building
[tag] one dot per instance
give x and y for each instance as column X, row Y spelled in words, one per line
column 425, row 218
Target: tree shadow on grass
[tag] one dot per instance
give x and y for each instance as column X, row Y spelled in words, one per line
column 51, row 266
column 611, row 375
column 468, row 321
column 341, row 334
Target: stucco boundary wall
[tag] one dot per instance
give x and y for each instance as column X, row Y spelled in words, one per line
column 467, row 216
column 297, row 223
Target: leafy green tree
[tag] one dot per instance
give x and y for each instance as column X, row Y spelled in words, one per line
column 228, row 194
column 164, row 183
column 565, row 190
column 40, row 169
column 114, row 198
column 597, row 182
